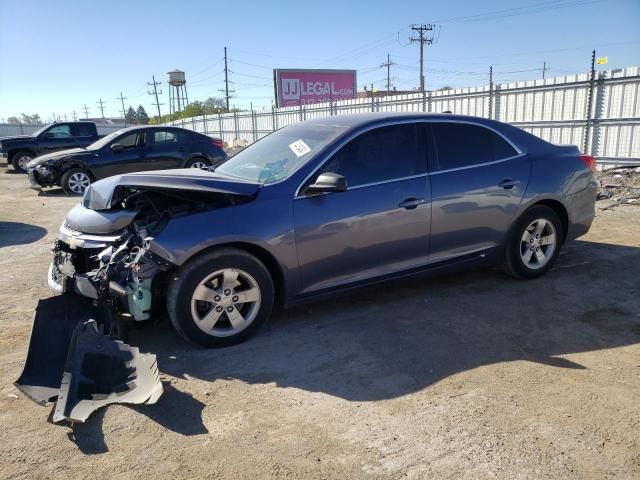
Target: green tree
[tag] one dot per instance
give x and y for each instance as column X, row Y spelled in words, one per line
column 13, row 120
column 214, row 105
column 35, row 118
column 130, row 117
column 194, row 109
column 446, row 87
column 141, row 116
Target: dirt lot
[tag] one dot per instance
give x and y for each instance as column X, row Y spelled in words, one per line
column 467, row 376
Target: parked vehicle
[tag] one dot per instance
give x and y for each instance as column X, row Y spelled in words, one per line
column 131, row 149
column 312, row 209
column 20, row 150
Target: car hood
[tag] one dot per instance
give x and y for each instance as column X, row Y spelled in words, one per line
column 104, row 194
column 18, row 138
column 55, row 156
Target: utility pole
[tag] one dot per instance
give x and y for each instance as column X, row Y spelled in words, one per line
column 101, row 104
column 388, row 65
column 226, row 81
column 155, row 92
column 425, row 36
column 86, row 112
column 544, row 68
column 592, row 82
column 124, row 112
column 75, row 117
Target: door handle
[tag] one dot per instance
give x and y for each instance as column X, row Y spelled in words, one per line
column 508, row 183
column 411, row 203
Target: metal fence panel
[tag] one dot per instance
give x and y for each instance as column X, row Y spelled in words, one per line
column 554, row 109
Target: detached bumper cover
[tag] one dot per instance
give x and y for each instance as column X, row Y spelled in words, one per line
column 70, row 361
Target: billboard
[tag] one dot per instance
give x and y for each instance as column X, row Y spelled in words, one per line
column 295, row 87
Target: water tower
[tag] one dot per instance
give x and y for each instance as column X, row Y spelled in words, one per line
column 178, row 98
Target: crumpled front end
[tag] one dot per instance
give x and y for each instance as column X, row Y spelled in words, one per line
column 107, row 276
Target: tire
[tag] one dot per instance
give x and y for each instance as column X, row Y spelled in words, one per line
column 538, row 231
column 206, row 322
column 20, row 159
column 75, row 180
column 198, row 162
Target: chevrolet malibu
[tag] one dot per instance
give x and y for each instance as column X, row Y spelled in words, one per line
column 319, row 207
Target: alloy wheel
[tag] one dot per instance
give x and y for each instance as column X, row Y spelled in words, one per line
column 199, row 164
column 78, row 182
column 23, row 161
column 225, row 302
column 538, row 243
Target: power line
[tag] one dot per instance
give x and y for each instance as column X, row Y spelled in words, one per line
column 155, row 92
column 425, row 36
column 101, row 104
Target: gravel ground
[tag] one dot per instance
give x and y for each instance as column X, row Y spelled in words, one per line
column 474, row 375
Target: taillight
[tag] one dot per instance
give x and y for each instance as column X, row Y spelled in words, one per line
column 218, row 143
column 589, row 161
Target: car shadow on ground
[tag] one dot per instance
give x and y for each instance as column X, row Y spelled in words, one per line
column 391, row 340
column 16, row 233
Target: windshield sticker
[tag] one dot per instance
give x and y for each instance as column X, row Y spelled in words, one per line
column 299, row 148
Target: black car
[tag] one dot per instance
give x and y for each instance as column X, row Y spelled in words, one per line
column 21, row 149
column 133, row 149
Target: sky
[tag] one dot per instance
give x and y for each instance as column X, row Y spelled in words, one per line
column 56, row 57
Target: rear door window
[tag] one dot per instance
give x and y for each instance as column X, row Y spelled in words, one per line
column 82, row 130
column 381, row 154
column 164, row 137
column 463, row 145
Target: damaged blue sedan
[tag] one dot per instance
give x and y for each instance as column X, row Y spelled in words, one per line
column 316, row 208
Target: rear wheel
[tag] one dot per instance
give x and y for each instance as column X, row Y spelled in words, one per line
column 220, row 298
column 21, row 159
column 75, row 181
column 534, row 243
column 198, row 162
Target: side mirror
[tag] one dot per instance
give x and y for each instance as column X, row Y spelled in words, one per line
column 46, row 135
column 116, row 147
column 328, row 182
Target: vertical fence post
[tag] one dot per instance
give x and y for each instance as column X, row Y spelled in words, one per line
column 220, row 124
column 424, row 101
column 429, row 101
column 587, row 126
column 491, row 92
column 204, row 123
column 373, row 108
column 301, row 117
column 254, row 126
column 235, row 122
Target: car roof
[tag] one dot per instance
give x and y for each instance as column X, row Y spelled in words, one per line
column 353, row 120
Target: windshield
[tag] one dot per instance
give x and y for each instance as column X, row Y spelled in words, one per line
column 104, row 140
column 279, row 154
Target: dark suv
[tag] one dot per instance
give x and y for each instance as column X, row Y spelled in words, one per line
column 133, row 149
column 21, row 149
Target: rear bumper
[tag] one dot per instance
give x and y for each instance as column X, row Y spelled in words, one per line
column 581, row 208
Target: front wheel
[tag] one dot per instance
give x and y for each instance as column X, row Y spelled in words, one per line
column 75, row 181
column 534, row 243
column 198, row 163
column 221, row 298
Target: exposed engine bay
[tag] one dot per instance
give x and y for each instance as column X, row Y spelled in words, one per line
column 107, row 277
